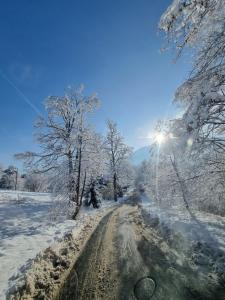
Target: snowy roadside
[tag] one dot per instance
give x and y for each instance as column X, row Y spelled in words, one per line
column 28, row 226
column 198, row 235
column 198, row 225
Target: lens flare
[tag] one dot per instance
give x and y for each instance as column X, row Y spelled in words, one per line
column 159, row 138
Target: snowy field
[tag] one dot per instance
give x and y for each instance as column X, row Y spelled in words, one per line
column 28, row 225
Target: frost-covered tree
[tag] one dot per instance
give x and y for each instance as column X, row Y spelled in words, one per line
column 179, row 174
column 9, row 178
column 142, row 178
column 198, row 26
column 201, row 25
column 63, row 136
column 191, row 22
column 172, row 157
column 117, row 153
column 126, row 173
column 35, row 182
column 93, row 163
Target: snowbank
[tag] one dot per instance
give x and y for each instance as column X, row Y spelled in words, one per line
column 50, row 268
column 198, row 235
column 26, row 229
column 193, row 225
column 29, row 225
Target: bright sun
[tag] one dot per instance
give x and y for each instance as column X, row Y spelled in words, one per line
column 159, row 138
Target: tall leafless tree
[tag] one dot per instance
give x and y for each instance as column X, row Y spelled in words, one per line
column 117, row 152
column 62, row 136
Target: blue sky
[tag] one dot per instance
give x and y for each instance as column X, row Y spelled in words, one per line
column 111, row 46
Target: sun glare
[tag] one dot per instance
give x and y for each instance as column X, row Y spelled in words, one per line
column 159, row 138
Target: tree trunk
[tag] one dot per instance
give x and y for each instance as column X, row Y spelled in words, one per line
column 83, row 188
column 78, row 176
column 77, row 209
column 16, row 179
column 71, row 180
column 115, row 186
column 181, row 182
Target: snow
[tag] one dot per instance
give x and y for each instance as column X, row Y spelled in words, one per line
column 45, row 272
column 199, row 226
column 27, row 227
column 195, row 232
